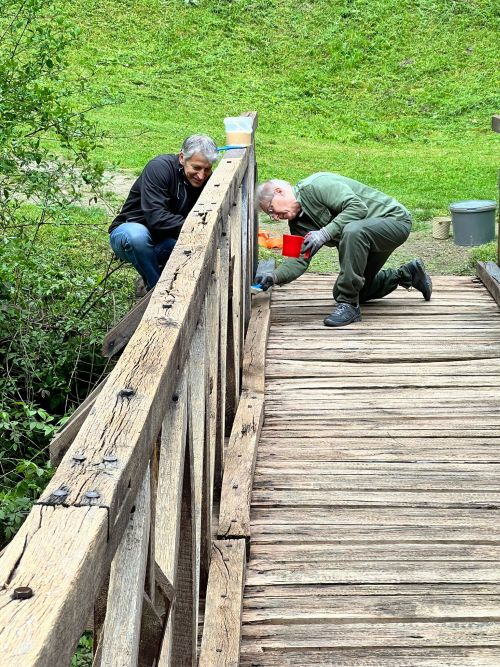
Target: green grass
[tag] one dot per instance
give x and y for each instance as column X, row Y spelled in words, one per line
column 394, row 94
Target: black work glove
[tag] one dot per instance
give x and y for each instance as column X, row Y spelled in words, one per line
column 267, row 279
column 313, row 241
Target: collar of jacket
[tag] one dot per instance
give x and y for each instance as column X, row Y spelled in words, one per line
column 296, row 193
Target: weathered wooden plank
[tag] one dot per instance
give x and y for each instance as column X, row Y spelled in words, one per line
column 169, row 492
column 221, row 633
column 118, row 337
column 458, row 656
column 198, row 393
column 62, row 440
column 378, row 516
column 246, row 258
column 304, row 430
column 212, row 309
column 234, row 517
column 332, row 369
column 361, row 472
column 185, row 608
column 489, row 273
column 224, row 272
column 300, row 532
column 471, row 633
column 371, row 571
column 44, row 629
column 235, row 322
column 122, row 626
column 303, row 478
column 254, row 357
column 388, row 605
column 273, row 594
column 396, row 499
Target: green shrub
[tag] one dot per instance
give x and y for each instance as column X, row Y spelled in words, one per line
column 484, row 253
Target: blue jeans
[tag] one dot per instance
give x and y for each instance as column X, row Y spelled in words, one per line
column 132, row 242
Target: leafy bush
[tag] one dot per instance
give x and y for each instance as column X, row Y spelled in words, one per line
column 484, row 253
column 54, row 297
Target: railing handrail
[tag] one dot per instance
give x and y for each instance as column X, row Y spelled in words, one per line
column 65, row 547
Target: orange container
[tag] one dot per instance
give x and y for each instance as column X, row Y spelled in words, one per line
column 292, row 245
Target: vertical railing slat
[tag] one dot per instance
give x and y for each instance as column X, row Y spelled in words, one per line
column 122, row 626
column 198, row 370
column 169, row 499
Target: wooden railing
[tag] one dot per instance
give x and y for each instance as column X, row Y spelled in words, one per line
column 489, row 272
column 123, row 533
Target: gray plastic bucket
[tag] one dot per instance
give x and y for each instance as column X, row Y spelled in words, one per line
column 473, row 221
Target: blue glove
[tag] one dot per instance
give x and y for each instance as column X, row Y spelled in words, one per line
column 313, row 241
column 267, row 279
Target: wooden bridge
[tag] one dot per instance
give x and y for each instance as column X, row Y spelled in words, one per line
column 248, row 487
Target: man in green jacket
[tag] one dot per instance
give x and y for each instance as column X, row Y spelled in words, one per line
column 365, row 225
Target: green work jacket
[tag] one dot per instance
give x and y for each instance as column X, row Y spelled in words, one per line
column 331, row 201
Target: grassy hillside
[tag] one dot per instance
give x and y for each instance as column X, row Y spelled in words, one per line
column 398, row 94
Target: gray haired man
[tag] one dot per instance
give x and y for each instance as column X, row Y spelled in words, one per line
column 145, row 231
column 365, row 225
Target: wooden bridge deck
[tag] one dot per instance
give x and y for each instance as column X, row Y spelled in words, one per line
column 375, row 514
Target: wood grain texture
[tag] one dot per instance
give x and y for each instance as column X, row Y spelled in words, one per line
column 220, row 644
column 457, row 656
column 169, row 493
column 234, row 516
column 254, row 357
column 489, row 273
column 59, row 552
column 122, row 626
column 374, row 514
column 62, row 440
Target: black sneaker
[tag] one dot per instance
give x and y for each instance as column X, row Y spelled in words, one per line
column 344, row 313
column 420, row 279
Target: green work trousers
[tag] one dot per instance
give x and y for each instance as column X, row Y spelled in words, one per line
column 364, row 248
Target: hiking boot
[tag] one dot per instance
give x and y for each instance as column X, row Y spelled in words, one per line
column 420, row 279
column 343, row 314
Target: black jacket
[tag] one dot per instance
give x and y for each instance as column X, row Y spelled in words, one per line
column 160, row 199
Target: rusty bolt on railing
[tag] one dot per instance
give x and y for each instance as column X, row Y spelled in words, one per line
column 126, row 393
column 22, row 593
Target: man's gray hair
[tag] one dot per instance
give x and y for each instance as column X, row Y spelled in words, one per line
column 200, row 143
column 265, row 191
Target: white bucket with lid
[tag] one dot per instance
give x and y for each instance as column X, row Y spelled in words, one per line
column 238, row 130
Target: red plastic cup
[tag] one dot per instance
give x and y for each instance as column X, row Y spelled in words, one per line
column 292, row 245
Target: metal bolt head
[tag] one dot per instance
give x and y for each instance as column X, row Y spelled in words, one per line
column 60, row 493
column 110, row 458
column 22, row 593
column 92, row 494
column 126, row 392
column 79, row 458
